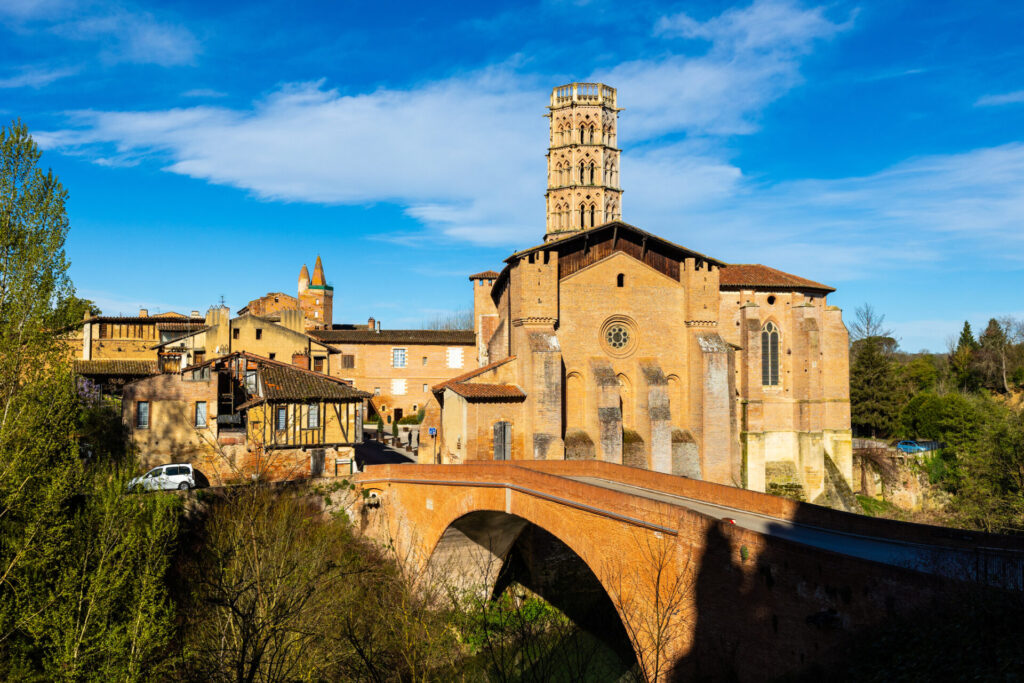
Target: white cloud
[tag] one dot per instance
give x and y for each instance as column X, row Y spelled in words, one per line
column 136, row 37
column 124, row 33
column 997, row 100
column 36, row 77
column 465, row 155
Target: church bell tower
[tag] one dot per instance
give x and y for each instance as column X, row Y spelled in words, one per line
column 583, row 161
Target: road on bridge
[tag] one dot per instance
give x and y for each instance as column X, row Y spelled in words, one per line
column 956, row 563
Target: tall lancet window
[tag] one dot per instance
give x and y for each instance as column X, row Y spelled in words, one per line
column 583, row 213
column 770, row 355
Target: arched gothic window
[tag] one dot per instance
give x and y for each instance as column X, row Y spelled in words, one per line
column 583, row 214
column 770, row 355
column 591, row 172
column 591, row 215
column 583, row 171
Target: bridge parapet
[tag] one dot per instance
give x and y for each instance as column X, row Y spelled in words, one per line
column 816, row 574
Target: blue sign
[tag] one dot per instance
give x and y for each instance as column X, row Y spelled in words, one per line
column 433, row 431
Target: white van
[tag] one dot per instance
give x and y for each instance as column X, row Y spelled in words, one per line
column 165, row 478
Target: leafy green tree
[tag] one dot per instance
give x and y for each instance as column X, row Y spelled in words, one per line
column 920, row 374
column 874, row 388
column 82, row 595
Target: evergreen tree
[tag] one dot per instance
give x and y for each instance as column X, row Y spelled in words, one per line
column 874, row 389
column 967, row 340
column 991, row 356
column 961, row 358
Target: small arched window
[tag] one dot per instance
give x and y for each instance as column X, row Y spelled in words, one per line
column 770, row 355
column 583, row 215
column 591, row 215
column 591, row 172
column 620, row 280
column 583, row 171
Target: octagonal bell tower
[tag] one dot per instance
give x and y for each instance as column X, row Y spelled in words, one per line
column 583, row 161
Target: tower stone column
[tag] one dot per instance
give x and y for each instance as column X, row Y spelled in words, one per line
column 583, row 160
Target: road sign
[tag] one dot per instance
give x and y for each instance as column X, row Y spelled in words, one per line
column 433, row 431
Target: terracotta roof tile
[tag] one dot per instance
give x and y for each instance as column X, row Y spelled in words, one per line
column 454, row 337
column 287, row 383
column 757, row 275
column 116, row 367
column 476, row 390
column 486, row 275
column 471, row 374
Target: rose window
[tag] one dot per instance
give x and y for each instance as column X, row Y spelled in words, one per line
column 617, row 336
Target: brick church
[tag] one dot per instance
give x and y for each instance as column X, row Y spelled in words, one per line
column 607, row 342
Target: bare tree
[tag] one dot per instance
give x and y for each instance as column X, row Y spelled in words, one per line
column 868, row 323
column 461, row 319
column 652, row 594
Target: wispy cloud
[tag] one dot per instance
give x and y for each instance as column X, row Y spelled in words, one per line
column 203, row 92
column 123, row 33
column 36, row 77
column 997, row 100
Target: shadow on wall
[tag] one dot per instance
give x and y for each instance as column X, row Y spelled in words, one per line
column 784, row 610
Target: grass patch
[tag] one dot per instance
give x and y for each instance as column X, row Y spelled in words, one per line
column 874, row 507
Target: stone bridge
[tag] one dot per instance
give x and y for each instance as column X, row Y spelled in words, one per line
column 698, row 579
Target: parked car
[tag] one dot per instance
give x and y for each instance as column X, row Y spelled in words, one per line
column 165, row 478
column 910, row 447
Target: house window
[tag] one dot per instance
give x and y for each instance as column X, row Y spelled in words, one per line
column 282, row 418
column 259, row 333
column 272, row 356
column 424, row 360
column 620, row 281
column 142, row 415
column 313, row 416
column 200, row 416
column 398, row 358
column 234, row 333
column 376, row 391
column 454, row 357
column 415, row 407
column 348, row 361
column 770, row 355
column 250, row 381
column 398, row 387
column 318, row 364
column 425, row 389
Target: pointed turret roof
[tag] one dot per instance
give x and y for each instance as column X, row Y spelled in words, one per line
column 304, row 273
column 318, row 273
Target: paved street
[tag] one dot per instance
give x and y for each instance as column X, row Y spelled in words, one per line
column 943, row 561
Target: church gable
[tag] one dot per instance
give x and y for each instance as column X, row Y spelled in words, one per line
column 619, row 269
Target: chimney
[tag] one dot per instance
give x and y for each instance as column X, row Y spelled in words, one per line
column 88, row 315
column 369, row 325
column 194, row 314
column 300, row 360
column 143, row 312
column 378, row 327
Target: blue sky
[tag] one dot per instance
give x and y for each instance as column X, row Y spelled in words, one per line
column 210, row 149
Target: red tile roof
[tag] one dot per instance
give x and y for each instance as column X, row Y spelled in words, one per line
column 471, row 374
column 116, row 367
column 475, row 390
column 486, row 275
column 364, row 336
column 755, row 275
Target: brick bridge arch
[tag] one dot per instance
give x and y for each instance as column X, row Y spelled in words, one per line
column 691, row 588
